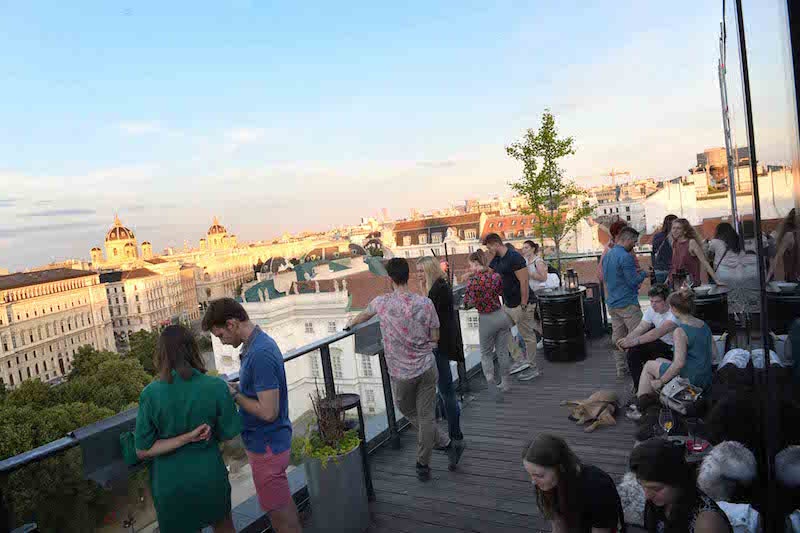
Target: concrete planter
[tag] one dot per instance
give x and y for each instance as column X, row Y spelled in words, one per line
column 337, row 493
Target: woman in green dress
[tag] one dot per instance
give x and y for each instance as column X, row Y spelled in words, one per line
column 183, row 416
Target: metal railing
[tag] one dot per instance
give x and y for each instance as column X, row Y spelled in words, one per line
column 123, row 421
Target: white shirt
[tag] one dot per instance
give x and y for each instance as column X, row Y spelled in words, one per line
column 657, row 319
column 534, row 284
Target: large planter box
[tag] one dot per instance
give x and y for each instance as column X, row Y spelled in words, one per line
column 337, row 493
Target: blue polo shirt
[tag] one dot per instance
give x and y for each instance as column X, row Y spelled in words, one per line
column 262, row 370
column 621, row 278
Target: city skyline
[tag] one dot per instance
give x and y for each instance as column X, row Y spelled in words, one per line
column 249, row 111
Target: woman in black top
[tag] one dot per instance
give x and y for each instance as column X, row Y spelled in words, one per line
column 574, row 497
column 674, row 503
column 661, row 256
column 449, row 347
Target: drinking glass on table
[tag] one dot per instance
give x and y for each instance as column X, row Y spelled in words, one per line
column 665, row 420
column 693, row 429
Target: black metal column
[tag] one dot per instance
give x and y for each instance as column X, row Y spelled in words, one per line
column 388, row 398
column 327, row 371
column 766, row 387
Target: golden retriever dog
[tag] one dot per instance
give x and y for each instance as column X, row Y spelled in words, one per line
column 597, row 410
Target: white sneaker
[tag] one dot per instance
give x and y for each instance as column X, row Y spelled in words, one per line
column 519, row 366
column 540, row 345
column 529, row 375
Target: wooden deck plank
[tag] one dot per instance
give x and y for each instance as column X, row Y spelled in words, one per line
column 490, row 491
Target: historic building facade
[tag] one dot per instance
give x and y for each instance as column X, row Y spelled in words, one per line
column 45, row 317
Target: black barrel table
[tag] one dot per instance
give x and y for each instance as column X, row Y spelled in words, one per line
column 712, row 308
column 783, row 309
column 564, row 338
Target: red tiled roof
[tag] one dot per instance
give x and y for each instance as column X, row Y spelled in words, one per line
column 364, row 286
column 454, row 220
column 25, row 279
column 155, row 261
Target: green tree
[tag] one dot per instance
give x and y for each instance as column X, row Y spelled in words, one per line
column 142, row 348
column 556, row 203
column 33, row 393
column 88, row 359
column 115, row 384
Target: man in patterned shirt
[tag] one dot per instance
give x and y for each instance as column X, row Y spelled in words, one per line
column 410, row 329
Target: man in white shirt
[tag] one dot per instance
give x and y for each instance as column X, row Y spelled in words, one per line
column 652, row 338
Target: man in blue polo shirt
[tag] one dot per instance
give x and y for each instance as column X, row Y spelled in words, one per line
column 622, row 283
column 263, row 402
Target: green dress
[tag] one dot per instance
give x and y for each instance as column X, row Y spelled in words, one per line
column 190, row 485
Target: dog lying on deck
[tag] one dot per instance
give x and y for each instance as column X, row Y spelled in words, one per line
column 597, row 410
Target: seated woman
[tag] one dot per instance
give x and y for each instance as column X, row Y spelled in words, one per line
column 674, row 503
column 652, row 338
column 694, row 350
column 573, row 496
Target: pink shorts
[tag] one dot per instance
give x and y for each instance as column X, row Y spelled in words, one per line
column 269, row 477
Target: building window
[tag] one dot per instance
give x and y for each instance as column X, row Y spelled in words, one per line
column 336, row 362
column 309, row 327
column 628, row 209
column 369, row 394
column 407, row 254
column 470, row 234
column 471, row 249
column 491, row 225
column 513, row 222
column 421, row 253
column 331, row 327
column 423, row 238
column 472, row 322
column 628, row 217
column 406, row 241
column 436, row 238
column 315, row 371
column 366, row 366
column 499, row 224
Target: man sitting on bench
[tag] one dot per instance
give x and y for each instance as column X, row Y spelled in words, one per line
column 652, row 338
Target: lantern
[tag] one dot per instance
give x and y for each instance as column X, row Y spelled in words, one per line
column 571, row 280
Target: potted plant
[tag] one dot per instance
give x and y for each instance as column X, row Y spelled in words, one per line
column 334, row 472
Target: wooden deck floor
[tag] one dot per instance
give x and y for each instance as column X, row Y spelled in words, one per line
column 490, row 491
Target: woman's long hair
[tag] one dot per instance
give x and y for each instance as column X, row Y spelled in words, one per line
column 728, row 235
column 433, row 271
column 551, row 451
column 661, row 461
column 688, row 230
column 479, row 256
column 177, row 350
column 787, row 225
column 668, row 220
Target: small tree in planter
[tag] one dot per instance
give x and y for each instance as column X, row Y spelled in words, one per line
column 557, row 204
column 334, row 473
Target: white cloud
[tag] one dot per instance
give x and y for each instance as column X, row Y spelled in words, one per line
column 245, row 135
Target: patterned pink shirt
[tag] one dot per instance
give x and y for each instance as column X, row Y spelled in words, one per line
column 406, row 322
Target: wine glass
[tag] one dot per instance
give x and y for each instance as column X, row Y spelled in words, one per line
column 665, row 420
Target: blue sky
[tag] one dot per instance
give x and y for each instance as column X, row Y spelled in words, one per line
column 281, row 117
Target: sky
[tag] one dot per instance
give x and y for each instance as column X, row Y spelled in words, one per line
column 286, row 116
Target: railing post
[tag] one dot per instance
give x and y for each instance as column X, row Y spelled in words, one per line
column 603, row 300
column 327, row 371
column 388, row 398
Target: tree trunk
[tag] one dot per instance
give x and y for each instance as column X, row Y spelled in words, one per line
column 558, row 255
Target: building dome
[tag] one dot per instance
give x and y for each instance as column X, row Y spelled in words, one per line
column 96, row 249
column 146, row 243
column 118, row 232
column 216, row 228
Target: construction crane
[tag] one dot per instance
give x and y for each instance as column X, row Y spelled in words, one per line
column 614, row 173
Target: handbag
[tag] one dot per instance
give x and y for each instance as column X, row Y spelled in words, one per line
column 680, row 395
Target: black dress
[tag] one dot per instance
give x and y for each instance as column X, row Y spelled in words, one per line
column 449, row 340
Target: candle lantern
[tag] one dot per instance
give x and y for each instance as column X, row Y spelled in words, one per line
column 571, row 280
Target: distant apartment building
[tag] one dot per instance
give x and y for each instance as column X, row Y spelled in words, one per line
column 623, row 202
column 45, row 317
column 679, row 197
column 518, row 228
column 427, row 236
